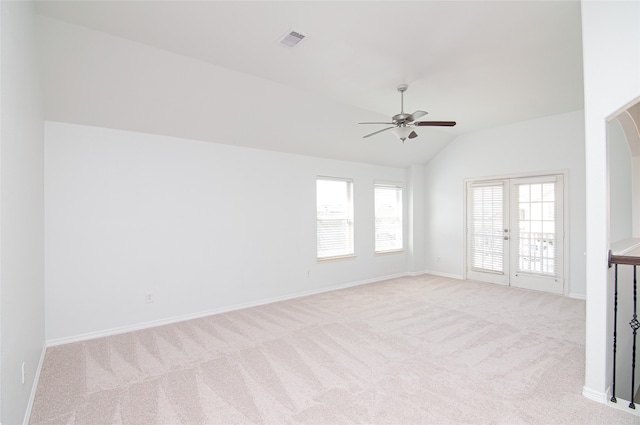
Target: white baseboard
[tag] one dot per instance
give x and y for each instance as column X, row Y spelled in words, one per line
column 591, row 394
column 34, row 387
column 578, row 296
column 190, row 316
column 441, row 274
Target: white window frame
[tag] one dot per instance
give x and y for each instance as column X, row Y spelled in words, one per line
column 344, row 213
column 392, row 220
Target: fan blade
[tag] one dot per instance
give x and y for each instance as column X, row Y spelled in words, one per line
column 376, row 132
column 413, row 135
column 434, row 123
column 416, row 115
column 388, row 123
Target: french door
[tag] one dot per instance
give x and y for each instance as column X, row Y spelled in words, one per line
column 515, row 232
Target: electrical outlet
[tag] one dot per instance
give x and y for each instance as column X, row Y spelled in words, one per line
column 148, row 297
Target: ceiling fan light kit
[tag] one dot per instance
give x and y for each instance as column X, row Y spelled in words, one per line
column 403, row 124
column 402, row 132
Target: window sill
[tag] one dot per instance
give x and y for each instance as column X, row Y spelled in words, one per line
column 390, row 252
column 336, row 258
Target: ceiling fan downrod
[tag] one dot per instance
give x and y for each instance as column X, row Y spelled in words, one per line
column 401, row 117
column 402, row 88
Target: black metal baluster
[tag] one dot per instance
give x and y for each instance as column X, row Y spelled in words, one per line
column 634, row 325
column 615, row 328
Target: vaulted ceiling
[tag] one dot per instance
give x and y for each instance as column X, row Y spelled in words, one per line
column 214, row 71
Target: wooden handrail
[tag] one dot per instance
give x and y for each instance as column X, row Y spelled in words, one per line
column 623, row 259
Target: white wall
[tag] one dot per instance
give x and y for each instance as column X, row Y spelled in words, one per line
column 620, row 179
column 21, row 211
column 635, row 187
column 620, row 230
column 202, row 226
column 611, row 49
column 415, row 219
column 554, row 143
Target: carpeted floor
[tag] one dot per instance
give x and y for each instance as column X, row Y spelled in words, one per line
column 419, row 350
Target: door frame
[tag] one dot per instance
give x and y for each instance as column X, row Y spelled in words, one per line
column 565, row 216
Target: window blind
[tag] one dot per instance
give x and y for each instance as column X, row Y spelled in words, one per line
column 486, row 226
column 388, row 217
column 334, row 217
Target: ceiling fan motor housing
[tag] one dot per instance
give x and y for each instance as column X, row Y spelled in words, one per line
column 400, row 118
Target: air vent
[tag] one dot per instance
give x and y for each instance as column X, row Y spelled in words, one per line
column 291, row 39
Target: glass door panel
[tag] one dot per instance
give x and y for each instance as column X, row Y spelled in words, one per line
column 537, row 236
column 487, row 241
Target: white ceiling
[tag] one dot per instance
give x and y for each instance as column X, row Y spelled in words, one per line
column 480, row 63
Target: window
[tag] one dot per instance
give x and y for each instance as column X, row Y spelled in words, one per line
column 334, row 217
column 388, row 212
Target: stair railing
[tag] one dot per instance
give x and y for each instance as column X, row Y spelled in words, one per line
column 616, row 260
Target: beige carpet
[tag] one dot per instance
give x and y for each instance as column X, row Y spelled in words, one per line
column 422, row 350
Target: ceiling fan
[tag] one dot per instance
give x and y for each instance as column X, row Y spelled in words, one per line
column 403, row 123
